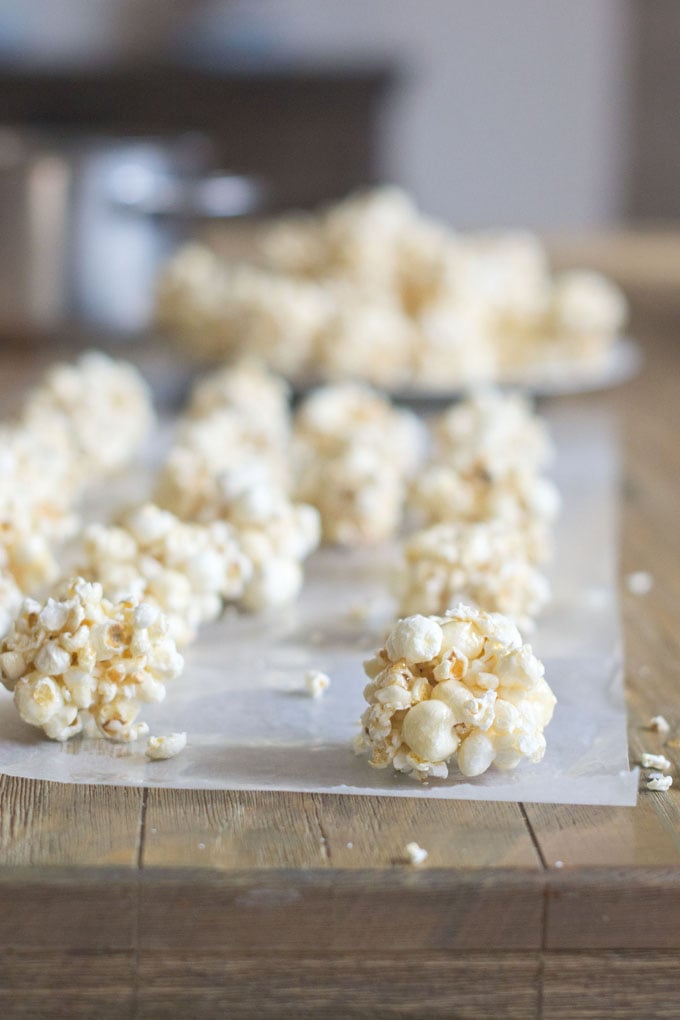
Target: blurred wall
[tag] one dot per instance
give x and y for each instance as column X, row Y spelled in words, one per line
column 512, row 112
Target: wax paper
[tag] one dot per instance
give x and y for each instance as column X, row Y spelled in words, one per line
column 251, row 724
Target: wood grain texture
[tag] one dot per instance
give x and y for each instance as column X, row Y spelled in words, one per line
column 341, row 911
column 55, row 823
column 649, row 835
column 376, row 985
column 611, row 986
column 278, row 830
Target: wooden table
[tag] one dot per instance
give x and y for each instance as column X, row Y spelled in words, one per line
column 150, row 903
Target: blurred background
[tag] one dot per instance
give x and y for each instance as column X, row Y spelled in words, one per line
column 125, row 121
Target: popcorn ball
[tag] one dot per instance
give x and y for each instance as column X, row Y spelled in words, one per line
column 186, row 570
column 188, row 484
column 78, row 656
column 353, row 453
column 460, row 687
column 104, row 406
column 492, row 432
column 485, row 565
column 369, row 288
column 274, row 534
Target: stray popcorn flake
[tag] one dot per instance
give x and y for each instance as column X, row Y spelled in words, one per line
column 317, row 683
column 654, row 761
column 160, row 748
column 659, row 725
column 79, row 656
column 659, row 782
column 640, row 582
column 415, row 854
column 457, row 686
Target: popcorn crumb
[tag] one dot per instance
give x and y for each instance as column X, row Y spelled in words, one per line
column 160, row 748
column 659, row 725
column 640, row 582
column 659, row 782
column 316, row 683
column 416, row 854
column 559, row 864
column 350, row 846
column 654, row 761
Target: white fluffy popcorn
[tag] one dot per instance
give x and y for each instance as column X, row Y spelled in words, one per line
column 316, row 683
column 79, row 656
column 187, row 570
column 481, row 698
column 640, row 582
column 487, row 452
column 485, row 565
column 275, row 535
column 352, row 454
column 415, row 854
column 659, row 724
column 162, row 748
column 654, row 761
column 370, row 289
column 105, row 406
column 10, row 600
column 492, row 432
column 657, row 781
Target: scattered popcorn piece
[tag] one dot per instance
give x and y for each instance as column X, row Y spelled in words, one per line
column 160, row 748
column 659, row 782
column 316, row 683
column 654, row 761
column 415, row 854
column 640, row 582
column 480, row 695
column 79, row 655
column 659, row 725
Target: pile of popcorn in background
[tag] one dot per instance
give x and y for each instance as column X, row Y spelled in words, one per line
column 370, row 289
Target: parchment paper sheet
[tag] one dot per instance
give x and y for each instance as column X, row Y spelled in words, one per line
column 251, row 725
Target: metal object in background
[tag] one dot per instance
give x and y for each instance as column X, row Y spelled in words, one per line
column 86, row 223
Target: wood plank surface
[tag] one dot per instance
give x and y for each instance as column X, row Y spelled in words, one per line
column 225, row 829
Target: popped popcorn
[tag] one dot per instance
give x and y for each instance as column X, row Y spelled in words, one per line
column 104, row 406
column 10, row 600
column 654, row 761
column 371, row 289
column 275, row 535
column 415, row 854
column 657, row 781
column 492, row 432
column 187, row 570
column 352, row 454
column 482, row 564
column 659, row 724
column 480, row 698
column 162, row 748
column 78, row 656
column 640, row 582
column 316, row 683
